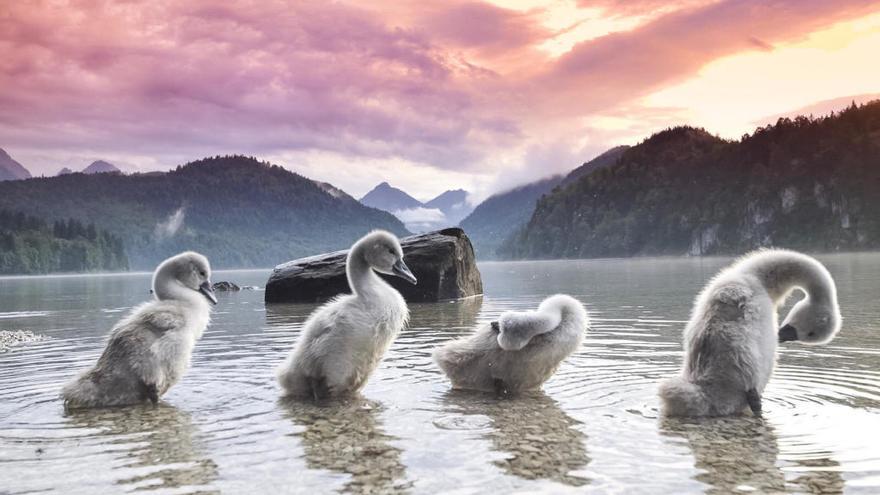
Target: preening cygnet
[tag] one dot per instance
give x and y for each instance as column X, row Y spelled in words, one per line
column 149, row 350
column 343, row 341
column 730, row 341
column 518, row 352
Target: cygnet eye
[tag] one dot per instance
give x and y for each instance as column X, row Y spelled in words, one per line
column 202, row 273
column 391, row 250
column 811, row 334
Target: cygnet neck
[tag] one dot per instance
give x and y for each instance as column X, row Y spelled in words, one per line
column 361, row 278
column 782, row 271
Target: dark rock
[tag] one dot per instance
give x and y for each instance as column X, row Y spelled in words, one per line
column 443, row 262
column 226, row 286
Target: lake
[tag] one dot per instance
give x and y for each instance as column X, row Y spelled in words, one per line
column 595, row 427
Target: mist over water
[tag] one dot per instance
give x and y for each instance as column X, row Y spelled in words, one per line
column 595, row 426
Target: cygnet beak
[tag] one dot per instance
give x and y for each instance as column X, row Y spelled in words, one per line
column 208, row 291
column 787, row 334
column 401, row 270
column 495, row 326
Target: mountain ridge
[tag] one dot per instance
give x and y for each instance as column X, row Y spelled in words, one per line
column 444, row 210
column 808, row 184
column 238, row 211
column 496, row 218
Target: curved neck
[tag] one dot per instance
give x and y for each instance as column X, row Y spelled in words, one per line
column 782, row 271
column 169, row 289
column 361, row 278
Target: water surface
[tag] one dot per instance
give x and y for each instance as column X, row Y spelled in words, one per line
column 595, row 427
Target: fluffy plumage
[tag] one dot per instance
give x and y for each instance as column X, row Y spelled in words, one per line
column 730, row 341
column 520, row 351
column 149, row 350
column 343, row 341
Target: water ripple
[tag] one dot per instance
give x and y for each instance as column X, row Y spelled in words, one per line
column 596, row 424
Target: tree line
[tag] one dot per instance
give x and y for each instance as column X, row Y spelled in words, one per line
column 29, row 245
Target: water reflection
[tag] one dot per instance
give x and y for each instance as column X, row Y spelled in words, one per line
column 160, row 442
column 446, row 315
column 288, row 314
column 540, row 440
column 346, row 436
column 742, row 454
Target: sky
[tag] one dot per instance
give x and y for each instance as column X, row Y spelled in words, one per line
column 426, row 95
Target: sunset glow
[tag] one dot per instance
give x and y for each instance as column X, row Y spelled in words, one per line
column 476, row 95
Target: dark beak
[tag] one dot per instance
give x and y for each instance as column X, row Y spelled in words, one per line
column 401, row 270
column 208, row 292
column 787, row 334
column 495, row 327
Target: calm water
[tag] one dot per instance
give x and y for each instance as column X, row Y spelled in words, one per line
column 595, row 427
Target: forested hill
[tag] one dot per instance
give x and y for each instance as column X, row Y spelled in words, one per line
column 236, row 210
column 808, row 184
column 29, row 245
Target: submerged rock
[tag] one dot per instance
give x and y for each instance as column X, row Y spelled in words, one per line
column 443, row 262
column 226, row 286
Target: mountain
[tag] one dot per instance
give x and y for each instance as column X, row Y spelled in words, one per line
column 390, row 199
column 453, row 204
column 604, row 160
column 234, row 209
column 443, row 211
column 64, row 171
column 101, row 167
column 494, row 219
column 804, row 183
column 11, row 169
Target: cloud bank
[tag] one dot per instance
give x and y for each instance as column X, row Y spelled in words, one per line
column 459, row 86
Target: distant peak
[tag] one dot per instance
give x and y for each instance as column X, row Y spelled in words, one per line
column 100, row 167
column 384, row 187
column 11, row 169
column 389, row 198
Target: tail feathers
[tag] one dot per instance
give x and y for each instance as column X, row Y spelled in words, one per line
column 680, row 397
column 87, row 392
column 81, row 392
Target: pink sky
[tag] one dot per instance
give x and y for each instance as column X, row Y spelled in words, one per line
column 426, row 95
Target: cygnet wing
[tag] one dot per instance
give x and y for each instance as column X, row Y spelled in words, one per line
column 518, row 328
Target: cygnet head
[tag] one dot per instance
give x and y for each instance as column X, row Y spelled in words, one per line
column 180, row 274
column 383, row 253
column 811, row 322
